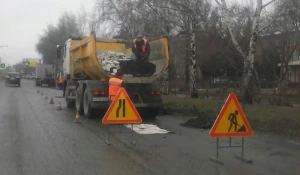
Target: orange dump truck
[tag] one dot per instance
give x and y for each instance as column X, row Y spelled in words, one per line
column 87, row 79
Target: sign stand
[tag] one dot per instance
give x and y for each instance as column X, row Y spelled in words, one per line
column 108, row 136
column 121, row 111
column 241, row 158
column 132, row 142
column 231, row 100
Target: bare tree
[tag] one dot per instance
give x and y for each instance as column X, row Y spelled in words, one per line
column 185, row 18
column 248, row 57
column 82, row 21
column 56, row 35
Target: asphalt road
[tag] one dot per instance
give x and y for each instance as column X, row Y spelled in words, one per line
column 37, row 139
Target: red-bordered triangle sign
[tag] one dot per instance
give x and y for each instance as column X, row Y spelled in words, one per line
column 122, row 110
column 232, row 121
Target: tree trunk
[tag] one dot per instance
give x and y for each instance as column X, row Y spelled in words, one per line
column 193, row 75
column 248, row 78
column 257, row 81
column 249, row 61
column 166, row 82
column 283, row 84
column 187, row 71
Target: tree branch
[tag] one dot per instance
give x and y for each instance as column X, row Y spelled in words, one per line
column 229, row 25
column 270, row 2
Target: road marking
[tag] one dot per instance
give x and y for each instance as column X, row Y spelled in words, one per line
column 147, row 129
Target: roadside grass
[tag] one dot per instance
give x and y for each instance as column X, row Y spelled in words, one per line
column 262, row 117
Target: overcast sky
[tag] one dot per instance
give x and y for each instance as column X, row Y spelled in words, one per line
column 23, row 21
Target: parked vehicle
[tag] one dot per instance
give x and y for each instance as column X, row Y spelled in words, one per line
column 44, row 74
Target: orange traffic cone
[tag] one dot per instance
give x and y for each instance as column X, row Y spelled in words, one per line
column 59, row 107
column 51, row 101
column 76, row 120
column 46, row 97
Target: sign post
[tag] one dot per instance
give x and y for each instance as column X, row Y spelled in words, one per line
column 121, row 111
column 231, row 122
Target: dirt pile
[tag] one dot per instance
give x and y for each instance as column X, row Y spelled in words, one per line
column 204, row 120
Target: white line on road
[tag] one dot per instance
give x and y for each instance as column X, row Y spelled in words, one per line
column 147, row 129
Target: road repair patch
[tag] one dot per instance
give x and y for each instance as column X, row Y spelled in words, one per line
column 147, row 129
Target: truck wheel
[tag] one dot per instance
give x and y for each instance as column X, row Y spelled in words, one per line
column 87, row 110
column 79, row 105
column 70, row 103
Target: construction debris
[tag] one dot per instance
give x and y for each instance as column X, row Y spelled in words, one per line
column 204, row 120
column 110, row 61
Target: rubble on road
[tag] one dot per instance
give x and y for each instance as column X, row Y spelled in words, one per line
column 204, row 120
column 197, row 123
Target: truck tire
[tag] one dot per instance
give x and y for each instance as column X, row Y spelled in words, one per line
column 87, row 110
column 70, row 103
column 36, row 83
column 79, row 101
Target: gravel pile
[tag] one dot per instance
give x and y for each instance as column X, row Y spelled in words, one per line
column 110, row 61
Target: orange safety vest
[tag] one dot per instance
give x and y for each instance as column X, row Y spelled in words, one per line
column 143, row 47
column 114, row 86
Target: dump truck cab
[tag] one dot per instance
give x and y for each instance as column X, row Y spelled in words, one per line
column 86, row 81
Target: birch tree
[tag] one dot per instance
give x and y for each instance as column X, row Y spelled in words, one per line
column 248, row 57
column 186, row 18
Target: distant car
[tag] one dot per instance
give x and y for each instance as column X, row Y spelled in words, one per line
column 13, row 78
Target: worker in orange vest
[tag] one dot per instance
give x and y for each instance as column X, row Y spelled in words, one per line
column 141, row 49
column 114, row 86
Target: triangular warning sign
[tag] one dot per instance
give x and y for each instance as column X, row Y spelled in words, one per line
column 231, row 121
column 122, row 110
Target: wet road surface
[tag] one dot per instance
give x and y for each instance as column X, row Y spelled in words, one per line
column 38, row 139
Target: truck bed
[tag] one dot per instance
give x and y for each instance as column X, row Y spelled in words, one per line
column 85, row 65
